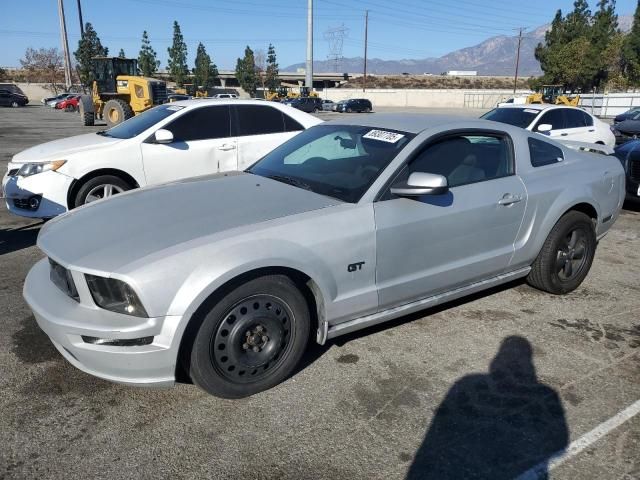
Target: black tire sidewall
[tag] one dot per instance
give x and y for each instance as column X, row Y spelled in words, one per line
column 562, row 229
column 86, row 187
column 203, row 372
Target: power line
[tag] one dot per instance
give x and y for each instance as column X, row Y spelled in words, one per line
column 335, row 37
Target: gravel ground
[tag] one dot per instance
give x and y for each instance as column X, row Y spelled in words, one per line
column 482, row 388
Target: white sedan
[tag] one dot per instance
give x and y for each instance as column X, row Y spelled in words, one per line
column 169, row 142
column 557, row 121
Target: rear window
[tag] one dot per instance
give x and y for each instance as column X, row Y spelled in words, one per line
column 543, row 153
column 518, row 117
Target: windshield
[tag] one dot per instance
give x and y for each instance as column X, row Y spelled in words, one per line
column 138, row 124
column 519, row 117
column 340, row 161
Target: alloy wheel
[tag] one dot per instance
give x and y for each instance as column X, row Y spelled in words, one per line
column 571, row 256
column 102, row 191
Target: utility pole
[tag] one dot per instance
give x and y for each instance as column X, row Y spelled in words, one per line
column 65, row 46
column 515, row 80
column 80, row 18
column 308, row 81
column 366, row 35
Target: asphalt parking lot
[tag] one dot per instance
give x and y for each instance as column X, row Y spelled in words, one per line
column 471, row 381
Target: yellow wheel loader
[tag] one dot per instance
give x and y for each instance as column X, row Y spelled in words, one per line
column 553, row 94
column 118, row 92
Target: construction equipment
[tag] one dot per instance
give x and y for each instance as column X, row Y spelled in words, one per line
column 553, row 94
column 288, row 93
column 118, row 92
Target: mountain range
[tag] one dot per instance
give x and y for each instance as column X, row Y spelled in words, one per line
column 494, row 56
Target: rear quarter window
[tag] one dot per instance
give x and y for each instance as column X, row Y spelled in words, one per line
column 543, row 153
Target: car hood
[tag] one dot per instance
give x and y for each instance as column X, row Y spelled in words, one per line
column 628, row 126
column 59, row 149
column 109, row 234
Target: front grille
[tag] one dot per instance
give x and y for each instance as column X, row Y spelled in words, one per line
column 158, row 93
column 634, row 170
column 61, row 278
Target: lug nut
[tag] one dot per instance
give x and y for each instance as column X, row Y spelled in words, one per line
column 265, row 338
column 256, row 349
column 259, row 328
column 245, row 346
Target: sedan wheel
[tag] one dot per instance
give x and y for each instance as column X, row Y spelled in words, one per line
column 251, row 339
column 15, row 104
column 567, row 255
column 97, row 188
column 102, row 191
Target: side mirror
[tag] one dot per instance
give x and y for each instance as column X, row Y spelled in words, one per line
column 420, row 184
column 163, row 136
column 545, row 128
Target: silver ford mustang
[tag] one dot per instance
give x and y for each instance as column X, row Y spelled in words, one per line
column 351, row 223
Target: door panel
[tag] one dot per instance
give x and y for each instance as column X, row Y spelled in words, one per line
column 441, row 242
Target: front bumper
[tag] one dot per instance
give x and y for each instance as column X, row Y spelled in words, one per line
column 66, row 321
column 50, row 187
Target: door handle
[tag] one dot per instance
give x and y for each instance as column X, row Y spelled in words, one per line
column 592, row 130
column 564, row 134
column 509, row 199
column 226, row 147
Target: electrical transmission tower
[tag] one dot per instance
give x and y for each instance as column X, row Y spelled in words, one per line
column 335, row 36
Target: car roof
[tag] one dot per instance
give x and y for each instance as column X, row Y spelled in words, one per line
column 417, row 122
column 539, row 106
column 220, row 101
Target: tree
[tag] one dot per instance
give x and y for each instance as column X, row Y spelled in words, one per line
column 178, row 57
column 603, row 30
column 147, row 60
column 246, row 72
column 205, row 71
column 121, row 53
column 631, row 50
column 89, row 46
column 272, row 80
column 577, row 23
column 44, row 65
column 3, row 73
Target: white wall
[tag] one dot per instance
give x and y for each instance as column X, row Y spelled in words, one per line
column 609, row 105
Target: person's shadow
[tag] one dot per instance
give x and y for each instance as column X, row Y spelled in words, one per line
column 496, row 425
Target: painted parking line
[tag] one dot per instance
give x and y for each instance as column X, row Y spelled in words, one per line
column 581, row 443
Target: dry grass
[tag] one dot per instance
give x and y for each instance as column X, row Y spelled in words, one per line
column 434, row 82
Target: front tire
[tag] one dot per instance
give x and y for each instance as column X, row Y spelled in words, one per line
column 252, row 339
column 15, row 104
column 116, row 111
column 100, row 187
column 566, row 256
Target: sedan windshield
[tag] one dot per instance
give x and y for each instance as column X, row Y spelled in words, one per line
column 340, row 161
column 138, row 124
column 518, row 117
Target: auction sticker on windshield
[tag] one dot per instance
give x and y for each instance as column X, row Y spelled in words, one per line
column 383, row 136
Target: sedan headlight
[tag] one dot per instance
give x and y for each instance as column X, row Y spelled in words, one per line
column 115, row 295
column 29, row 169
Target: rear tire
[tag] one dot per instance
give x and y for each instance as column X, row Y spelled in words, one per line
column 85, row 106
column 251, row 340
column 116, row 111
column 566, row 256
column 100, row 187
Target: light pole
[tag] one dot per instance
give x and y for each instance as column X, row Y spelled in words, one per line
column 308, row 81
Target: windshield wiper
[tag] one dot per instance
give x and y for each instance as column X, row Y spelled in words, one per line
column 291, row 181
column 103, row 133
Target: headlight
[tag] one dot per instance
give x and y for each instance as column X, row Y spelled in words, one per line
column 29, row 169
column 115, row 295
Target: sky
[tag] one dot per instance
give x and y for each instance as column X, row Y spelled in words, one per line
column 397, row 30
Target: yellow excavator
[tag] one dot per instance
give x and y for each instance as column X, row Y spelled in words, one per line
column 286, row 93
column 118, row 92
column 553, row 94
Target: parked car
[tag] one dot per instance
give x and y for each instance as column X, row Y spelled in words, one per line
column 521, row 100
column 559, row 122
column 347, row 225
column 166, row 143
column 353, row 105
column 12, row 99
column 69, row 104
column 56, row 98
column 628, row 129
column 632, row 112
column 327, row 105
column 225, row 95
column 176, row 97
column 629, row 155
column 306, row 104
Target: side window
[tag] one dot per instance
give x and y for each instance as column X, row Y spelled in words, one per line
column 465, row 159
column 554, row 117
column 543, row 153
column 258, row 120
column 201, row 124
column 291, row 125
column 574, row 118
column 588, row 119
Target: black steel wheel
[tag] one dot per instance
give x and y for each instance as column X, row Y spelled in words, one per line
column 251, row 339
column 566, row 256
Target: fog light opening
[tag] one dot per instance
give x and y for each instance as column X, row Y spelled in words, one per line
column 34, row 203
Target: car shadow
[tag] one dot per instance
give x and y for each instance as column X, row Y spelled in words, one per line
column 498, row 425
column 631, row 206
column 314, row 351
column 19, row 238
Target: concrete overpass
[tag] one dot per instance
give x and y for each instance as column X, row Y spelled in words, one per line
column 227, row 79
